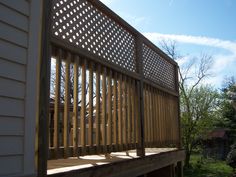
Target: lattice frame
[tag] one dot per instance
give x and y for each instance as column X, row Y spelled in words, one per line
column 157, row 69
column 80, row 23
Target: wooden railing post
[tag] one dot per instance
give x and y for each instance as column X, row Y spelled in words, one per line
column 139, row 64
column 44, row 87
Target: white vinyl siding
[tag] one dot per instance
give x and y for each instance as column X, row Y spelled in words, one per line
column 11, row 145
column 13, row 17
column 11, row 107
column 18, row 57
column 12, row 70
column 19, row 6
column 11, row 165
column 6, row 52
column 13, row 35
column 12, row 88
column 13, row 126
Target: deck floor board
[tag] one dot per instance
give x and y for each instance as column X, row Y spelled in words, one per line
column 73, row 163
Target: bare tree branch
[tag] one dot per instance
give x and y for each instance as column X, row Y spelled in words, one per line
column 189, row 82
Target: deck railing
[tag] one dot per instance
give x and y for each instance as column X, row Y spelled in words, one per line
column 111, row 88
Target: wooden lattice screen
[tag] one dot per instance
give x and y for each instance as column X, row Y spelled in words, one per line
column 111, row 88
column 83, row 25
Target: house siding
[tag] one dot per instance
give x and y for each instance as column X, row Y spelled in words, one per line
column 19, row 58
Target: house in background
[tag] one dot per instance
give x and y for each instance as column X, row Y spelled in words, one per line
column 138, row 92
column 216, row 144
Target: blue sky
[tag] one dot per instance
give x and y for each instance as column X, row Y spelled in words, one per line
column 198, row 26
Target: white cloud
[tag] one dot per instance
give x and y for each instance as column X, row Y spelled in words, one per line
column 198, row 40
column 223, row 61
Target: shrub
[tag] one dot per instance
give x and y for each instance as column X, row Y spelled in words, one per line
column 231, row 157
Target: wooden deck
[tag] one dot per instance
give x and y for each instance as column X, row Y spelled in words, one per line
column 63, row 166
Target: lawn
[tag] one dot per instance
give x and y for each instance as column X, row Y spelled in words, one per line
column 202, row 167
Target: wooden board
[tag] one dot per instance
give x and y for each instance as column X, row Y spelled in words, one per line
column 118, row 165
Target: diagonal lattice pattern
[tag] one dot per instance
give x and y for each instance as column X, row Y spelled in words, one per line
column 80, row 23
column 157, row 69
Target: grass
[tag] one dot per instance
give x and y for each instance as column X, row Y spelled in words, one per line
column 202, row 167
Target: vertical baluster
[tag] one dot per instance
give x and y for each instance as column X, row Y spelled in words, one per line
column 115, row 123
column 156, row 118
column 133, row 112
column 83, row 108
column 75, row 108
column 150, row 115
column 159, row 115
column 146, row 116
column 173, row 119
column 98, row 135
column 153, row 117
column 109, row 104
column 90, row 129
column 177, row 131
column 129, row 111
column 139, row 136
column 120, row 111
column 161, row 110
column 104, row 102
column 67, row 106
column 163, row 118
column 124, row 111
column 170, row 122
column 166, row 121
column 138, row 112
column 57, row 103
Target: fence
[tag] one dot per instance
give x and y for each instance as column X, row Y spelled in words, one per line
column 111, row 88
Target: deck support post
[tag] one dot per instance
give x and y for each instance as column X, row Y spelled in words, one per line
column 180, row 169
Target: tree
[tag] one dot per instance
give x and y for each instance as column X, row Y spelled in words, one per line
column 231, row 157
column 227, row 113
column 197, row 116
column 197, row 102
column 230, row 89
column 227, row 117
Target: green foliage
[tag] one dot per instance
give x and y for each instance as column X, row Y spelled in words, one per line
column 202, row 167
column 198, row 103
column 226, row 112
column 198, row 108
column 231, row 157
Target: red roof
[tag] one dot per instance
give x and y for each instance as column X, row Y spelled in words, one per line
column 218, row 133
